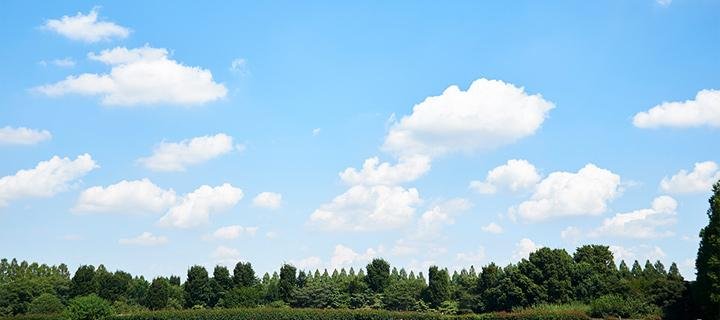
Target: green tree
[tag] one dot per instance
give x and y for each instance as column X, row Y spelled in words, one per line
column 378, row 275
column 244, row 275
column 708, row 259
column 552, row 270
column 89, row 307
column 288, row 282
column 83, row 282
column 46, row 303
column 197, row 287
column 221, row 275
column 158, row 294
column 438, row 289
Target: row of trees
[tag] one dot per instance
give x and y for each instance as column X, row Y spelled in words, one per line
column 546, row 276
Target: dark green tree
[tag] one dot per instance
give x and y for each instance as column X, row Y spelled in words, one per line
column 708, row 259
column 197, row 287
column 244, row 275
column 221, row 275
column 288, row 282
column 46, row 303
column 158, row 294
column 378, row 275
column 83, row 282
column 438, row 289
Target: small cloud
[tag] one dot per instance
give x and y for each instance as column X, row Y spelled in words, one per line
column 239, row 66
column 271, row 235
column 316, row 132
column 86, row 27
column 71, row 237
column 268, row 200
column 233, row 232
column 492, row 227
column 664, row 3
column 144, row 239
column 23, row 136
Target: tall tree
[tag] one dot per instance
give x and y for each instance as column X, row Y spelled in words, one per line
column 83, row 282
column 438, row 289
column 708, row 259
column 288, row 282
column 158, row 294
column 197, row 287
column 378, row 275
column 244, row 275
column 221, row 275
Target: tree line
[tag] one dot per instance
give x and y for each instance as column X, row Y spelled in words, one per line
column 547, row 276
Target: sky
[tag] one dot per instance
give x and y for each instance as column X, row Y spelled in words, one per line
column 151, row 137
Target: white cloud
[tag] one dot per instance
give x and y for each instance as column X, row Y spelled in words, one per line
column 492, row 227
column 701, row 179
column 703, row 111
column 145, row 239
column 128, row 197
column 375, row 173
column 316, row 131
column 234, row 232
column 46, row 179
column 23, row 136
column 271, row 235
column 571, row 234
column 226, row 255
column 664, row 3
column 308, row 263
column 563, row 194
column 643, row 223
column 471, row 257
column 269, row 200
column 515, row 175
column 63, row 63
column 86, row 27
column 489, row 114
column 177, row 156
column 345, row 257
column 364, row 208
column 195, row 208
column 640, row 253
column 141, row 76
column 524, row 248
column 432, row 221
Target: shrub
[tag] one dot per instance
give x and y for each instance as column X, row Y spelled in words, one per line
column 90, row 307
column 617, row 306
column 46, row 304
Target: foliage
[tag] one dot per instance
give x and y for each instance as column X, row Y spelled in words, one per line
column 378, row 275
column 197, row 287
column 708, row 259
column 90, row 307
column 46, row 303
column 618, row 306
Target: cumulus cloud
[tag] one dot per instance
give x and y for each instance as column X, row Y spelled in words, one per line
column 701, row 179
column 86, row 27
column 195, row 208
column 489, row 114
column 23, row 136
column 524, row 248
column 474, row 257
column 703, row 111
column 571, row 234
column 128, row 197
column 640, row 253
column 177, row 156
column 226, row 255
column 443, row 214
column 269, row 200
column 643, row 223
column 145, row 239
column 514, row 176
column 563, row 194
column 141, row 76
column 344, row 256
column 46, row 179
column 492, row 227
column 234, row 232
column 366, row 208
column 375, row 173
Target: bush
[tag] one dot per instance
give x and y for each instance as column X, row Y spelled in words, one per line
column 617, row 306
column 46, row 304
column 535, row 315
column 89, row 307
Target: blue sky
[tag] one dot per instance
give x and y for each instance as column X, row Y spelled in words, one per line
column 568, row 123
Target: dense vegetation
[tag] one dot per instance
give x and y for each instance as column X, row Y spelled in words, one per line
column 535, row 288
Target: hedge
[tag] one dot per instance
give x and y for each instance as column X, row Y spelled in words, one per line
column 323, row 314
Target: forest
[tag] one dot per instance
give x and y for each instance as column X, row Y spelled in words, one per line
column 587, row 281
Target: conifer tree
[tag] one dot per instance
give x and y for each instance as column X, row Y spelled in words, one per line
column 708, row 259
